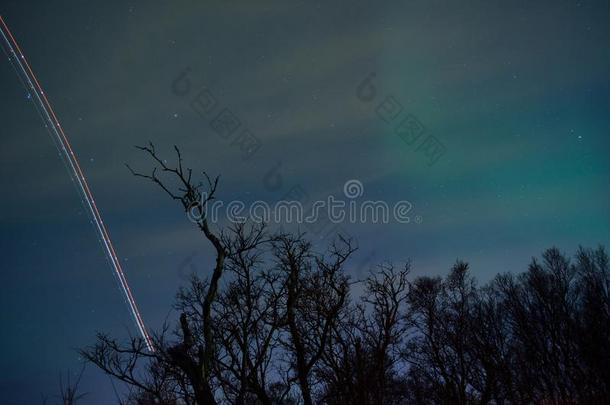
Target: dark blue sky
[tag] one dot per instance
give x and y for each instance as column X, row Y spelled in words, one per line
column 517, row 93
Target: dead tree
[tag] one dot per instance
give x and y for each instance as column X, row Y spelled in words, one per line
column 441, row 359
column 190, row 363
column 314, row 292
column 247, row 332
column 363, row 363
column 69, row 391
column 274, row 323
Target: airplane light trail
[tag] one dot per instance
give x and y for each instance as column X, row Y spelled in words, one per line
column 37, row 95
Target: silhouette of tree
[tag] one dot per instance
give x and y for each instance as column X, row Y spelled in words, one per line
column 276, row 323
column 69, row 392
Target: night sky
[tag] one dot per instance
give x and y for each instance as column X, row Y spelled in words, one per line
column 517, row 93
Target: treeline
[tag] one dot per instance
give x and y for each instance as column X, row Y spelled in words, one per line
column 275, row 322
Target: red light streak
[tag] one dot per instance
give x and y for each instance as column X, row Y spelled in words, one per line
column 52, row 123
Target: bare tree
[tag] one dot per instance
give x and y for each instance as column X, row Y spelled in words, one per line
column 68, row 390
column 274, row 323
column 188, row 364
column 442, row 362
column 197, row 362
column 362, row 364
column 314, row 292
